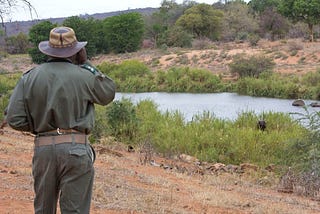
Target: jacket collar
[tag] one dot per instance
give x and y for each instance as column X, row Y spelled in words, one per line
column 59, row 60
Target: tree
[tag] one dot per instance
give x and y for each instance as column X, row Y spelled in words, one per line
column 18, row 44
column 86, row 30
column 259, row 6
column 6, row 7
column 274, row 23
column 307, row 11
column 235, row 27
column 124, row 33
column 39, row 32
column 202, row 20
column 163, row 20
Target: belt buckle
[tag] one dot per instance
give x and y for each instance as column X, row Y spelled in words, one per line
column 58, row 131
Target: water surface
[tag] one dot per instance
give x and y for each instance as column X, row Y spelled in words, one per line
column 222, row 105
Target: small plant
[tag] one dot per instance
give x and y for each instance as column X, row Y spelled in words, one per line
column 201, row 44
column 253, row 39
column 294, row 46
column 301, row 60
column 293, row 52
column 183, row 59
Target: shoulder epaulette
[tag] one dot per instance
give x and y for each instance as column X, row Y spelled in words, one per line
column 90, row 68
column 27, row 71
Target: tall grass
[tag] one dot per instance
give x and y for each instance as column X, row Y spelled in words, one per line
column 279, row 86
column 134, row 76
column 213, row 139
column 7, row 83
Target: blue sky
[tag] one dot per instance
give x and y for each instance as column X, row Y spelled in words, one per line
column 66, row 8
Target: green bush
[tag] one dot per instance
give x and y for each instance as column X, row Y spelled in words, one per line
column 122, row 119
column 251, row 66
column 101, row 127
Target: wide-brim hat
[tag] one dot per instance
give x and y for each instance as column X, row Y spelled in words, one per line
column 62, row 43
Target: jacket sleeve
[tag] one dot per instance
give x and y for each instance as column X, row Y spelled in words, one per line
column 17, row 117
column 103, row 88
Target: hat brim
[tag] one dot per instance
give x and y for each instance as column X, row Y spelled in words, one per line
column 45, row 48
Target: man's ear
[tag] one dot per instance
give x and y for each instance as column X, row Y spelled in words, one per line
column 81, row 56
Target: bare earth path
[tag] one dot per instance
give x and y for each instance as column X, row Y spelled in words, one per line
column 123, row 185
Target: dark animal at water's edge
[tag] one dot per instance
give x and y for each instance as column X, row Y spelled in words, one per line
column 262, row 125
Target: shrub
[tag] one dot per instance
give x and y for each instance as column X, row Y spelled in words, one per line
column 177, row 37
column 101, row 127
column 251, row 66
column 201, row 44
column 303, row 156
column 130, row 68
column 7, row 83
column 253, row 39
column 122, row 119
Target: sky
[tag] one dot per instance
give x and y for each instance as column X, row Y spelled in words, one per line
column 65, row 8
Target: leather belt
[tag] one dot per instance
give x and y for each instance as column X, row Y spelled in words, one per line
column 62, row 138
column 59, row 131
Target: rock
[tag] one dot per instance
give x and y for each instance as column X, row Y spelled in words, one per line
column 188, row 158
column 315, row 104
column 248, row 166
column 217, row 167
column 234, row 168
column 271, row 167
column 298, row 102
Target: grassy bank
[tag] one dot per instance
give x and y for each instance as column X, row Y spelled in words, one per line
column 134, row 76
column 206, row 137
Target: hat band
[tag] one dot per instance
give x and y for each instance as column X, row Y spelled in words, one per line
column 62, row 45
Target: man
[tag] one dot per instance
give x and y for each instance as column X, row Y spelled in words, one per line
column 55, row 101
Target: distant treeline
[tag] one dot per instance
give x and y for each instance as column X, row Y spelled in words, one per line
column 184, row 25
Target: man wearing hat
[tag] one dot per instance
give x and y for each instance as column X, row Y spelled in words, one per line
column 55, row 101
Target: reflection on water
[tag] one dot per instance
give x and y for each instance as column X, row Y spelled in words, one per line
column 222, row 105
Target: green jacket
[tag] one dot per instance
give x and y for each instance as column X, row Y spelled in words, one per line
column 58, row 94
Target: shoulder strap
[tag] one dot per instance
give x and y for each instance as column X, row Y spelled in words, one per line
column 90, row 68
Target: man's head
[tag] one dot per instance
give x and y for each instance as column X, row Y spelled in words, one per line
column 62, row 43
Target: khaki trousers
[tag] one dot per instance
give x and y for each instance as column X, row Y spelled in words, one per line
column 63, row 172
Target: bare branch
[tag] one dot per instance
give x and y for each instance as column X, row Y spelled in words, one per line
column 7, row 6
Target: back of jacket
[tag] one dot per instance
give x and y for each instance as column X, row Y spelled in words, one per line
column 58, row 94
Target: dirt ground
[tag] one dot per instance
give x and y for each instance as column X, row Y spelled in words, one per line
column 123, row 184
column 293, row 56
